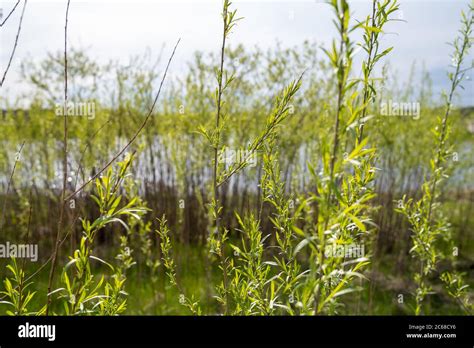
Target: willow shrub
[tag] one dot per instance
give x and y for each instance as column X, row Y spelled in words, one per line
column 82, row 293
column 296, row 269
column 428, row 225
column 336, row 215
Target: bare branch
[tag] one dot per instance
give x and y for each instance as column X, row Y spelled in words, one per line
column 17, row 159
column 8, row 16
column 137, row 133
column 14, row 46
column 63, row 193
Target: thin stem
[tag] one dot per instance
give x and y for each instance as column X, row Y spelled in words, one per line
column 10, row 13
column 218, row 113
column 442, row 137
column 340, row 96
column 63, row 193
column 80, row 162
column 370, row 58
column 216, row 150
column 22, row 267
column 14, row 45
column 137, row 133
column 10, row 180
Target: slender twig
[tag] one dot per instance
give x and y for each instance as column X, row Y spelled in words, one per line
column 220, row 90
column 23, row 263
column 340, row 97
column 219, row 108
column 441, row 142
column 137, row 133
column 424, row 235
column 63, row 193
column 9, row 14
column 17, row 159
column 371, row 48
column 14, row 45
column 80, row 166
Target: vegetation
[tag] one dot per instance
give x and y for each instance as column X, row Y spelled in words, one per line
column 260, row 183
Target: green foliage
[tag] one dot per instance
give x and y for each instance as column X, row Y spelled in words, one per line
column 82, row 293
column 260, row 234
column 426, row 221
column 170, row 267
column 18, row 297
column 457, row 289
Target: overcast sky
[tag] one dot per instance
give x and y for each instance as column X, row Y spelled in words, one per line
column 118, row 29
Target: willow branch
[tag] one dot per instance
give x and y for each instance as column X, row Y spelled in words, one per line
column 137, row 133
column 14, row 45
